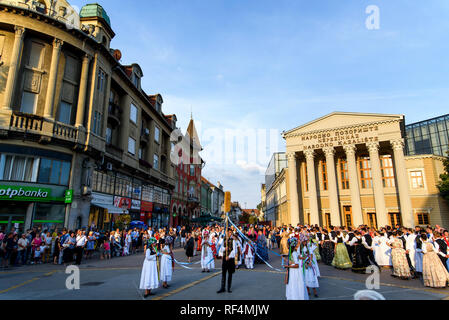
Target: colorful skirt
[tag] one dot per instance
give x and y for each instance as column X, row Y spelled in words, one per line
column 400, row 263
column 434, row 272
column 328, row 253
column 341, row 259
column 316, row 252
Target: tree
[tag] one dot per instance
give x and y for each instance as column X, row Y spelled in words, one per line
column 444, row 183
column 252, row 220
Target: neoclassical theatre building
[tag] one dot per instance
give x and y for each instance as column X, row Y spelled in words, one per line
column 349, row 169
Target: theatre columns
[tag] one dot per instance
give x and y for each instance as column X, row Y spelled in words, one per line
column 293, row 188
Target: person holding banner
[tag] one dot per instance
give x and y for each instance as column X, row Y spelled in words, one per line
column 228, row 265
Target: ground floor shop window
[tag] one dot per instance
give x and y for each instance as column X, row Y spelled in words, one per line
column 49, row 216
column 13, row 215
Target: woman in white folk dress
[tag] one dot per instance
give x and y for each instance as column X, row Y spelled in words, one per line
column 149, row 279
column 382, row 251
column 294, row 279
column 167, row 263
column 312, row 249
column 310, row 275
column 248, row 252
column 207, row 256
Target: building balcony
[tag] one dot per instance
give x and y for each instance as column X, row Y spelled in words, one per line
column 193, row 199
column 44, row 130
column 114, row 114
column 144, row 137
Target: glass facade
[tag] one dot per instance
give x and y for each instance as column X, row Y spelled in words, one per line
column 278, row 162
column 428, row 137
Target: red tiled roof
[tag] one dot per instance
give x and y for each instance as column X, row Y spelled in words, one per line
column 251, row 211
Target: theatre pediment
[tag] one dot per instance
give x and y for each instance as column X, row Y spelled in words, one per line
column 342, row 120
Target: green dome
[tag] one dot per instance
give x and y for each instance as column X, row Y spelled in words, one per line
column 94, row 10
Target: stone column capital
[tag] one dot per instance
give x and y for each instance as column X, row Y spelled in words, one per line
column 86, row 58
column 310, row 154
column 398, row 144
column 57, row 43
column 19, row 31
column 350, row 149
column 373, row 147
column 291, row 156
column 329, row 151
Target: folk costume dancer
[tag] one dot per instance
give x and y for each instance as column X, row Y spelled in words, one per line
column 249, row 255
column 228, row 265
column 167, row 264
column 310, row 275
column 207, row 257
column 149, row 278
column 294, row 280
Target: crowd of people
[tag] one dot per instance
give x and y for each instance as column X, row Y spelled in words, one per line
column 419, row 253
column 36, row 246
column 410, row 253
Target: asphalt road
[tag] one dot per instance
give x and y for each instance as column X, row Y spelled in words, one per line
column 118, row 279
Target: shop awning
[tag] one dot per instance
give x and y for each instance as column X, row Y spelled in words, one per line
column 111, row 208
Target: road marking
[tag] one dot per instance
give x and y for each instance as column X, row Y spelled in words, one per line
column 19, row 285
column 187, row 286
column 27, row 282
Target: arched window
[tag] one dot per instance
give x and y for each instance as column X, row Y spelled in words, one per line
column 41, row 6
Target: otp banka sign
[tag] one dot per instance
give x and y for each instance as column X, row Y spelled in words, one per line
column 24, row 193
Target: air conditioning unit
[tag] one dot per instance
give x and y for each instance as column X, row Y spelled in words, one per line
column 109, row 166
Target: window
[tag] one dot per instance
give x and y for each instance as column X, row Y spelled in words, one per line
column 156, row 162
column 192, row 170
column 34, row 59
column 54, row 172
column 108, row 135
column 18, row 168
column 65, row 112
column 156, row 134
column 328, row 219
column 365, row 173
column 372, row 220
column 324, row 170
column 101, row 79
column 132, row 146
column 133, row 113
column 387, row 171
column 395, row 219
column 417, row 179
column 97, row 123
column 347, row 211
column 344, row 174
column 423, row 218
column 29, row 102
column 140, row 153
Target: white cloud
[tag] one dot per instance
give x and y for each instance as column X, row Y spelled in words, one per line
column 251, row 167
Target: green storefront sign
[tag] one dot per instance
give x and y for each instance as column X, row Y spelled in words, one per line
column 69, row 196
column 27, row 193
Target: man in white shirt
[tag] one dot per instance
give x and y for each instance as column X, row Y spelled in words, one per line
column 228, row 265
column 22, row 249
column 81, row 241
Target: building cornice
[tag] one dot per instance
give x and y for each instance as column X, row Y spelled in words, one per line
column 292, row 134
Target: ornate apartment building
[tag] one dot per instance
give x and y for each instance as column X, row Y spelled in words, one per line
column 81, row 142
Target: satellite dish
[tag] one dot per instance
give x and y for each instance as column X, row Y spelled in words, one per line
column 117, row 55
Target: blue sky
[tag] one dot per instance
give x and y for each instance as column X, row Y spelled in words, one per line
column 247, row 64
